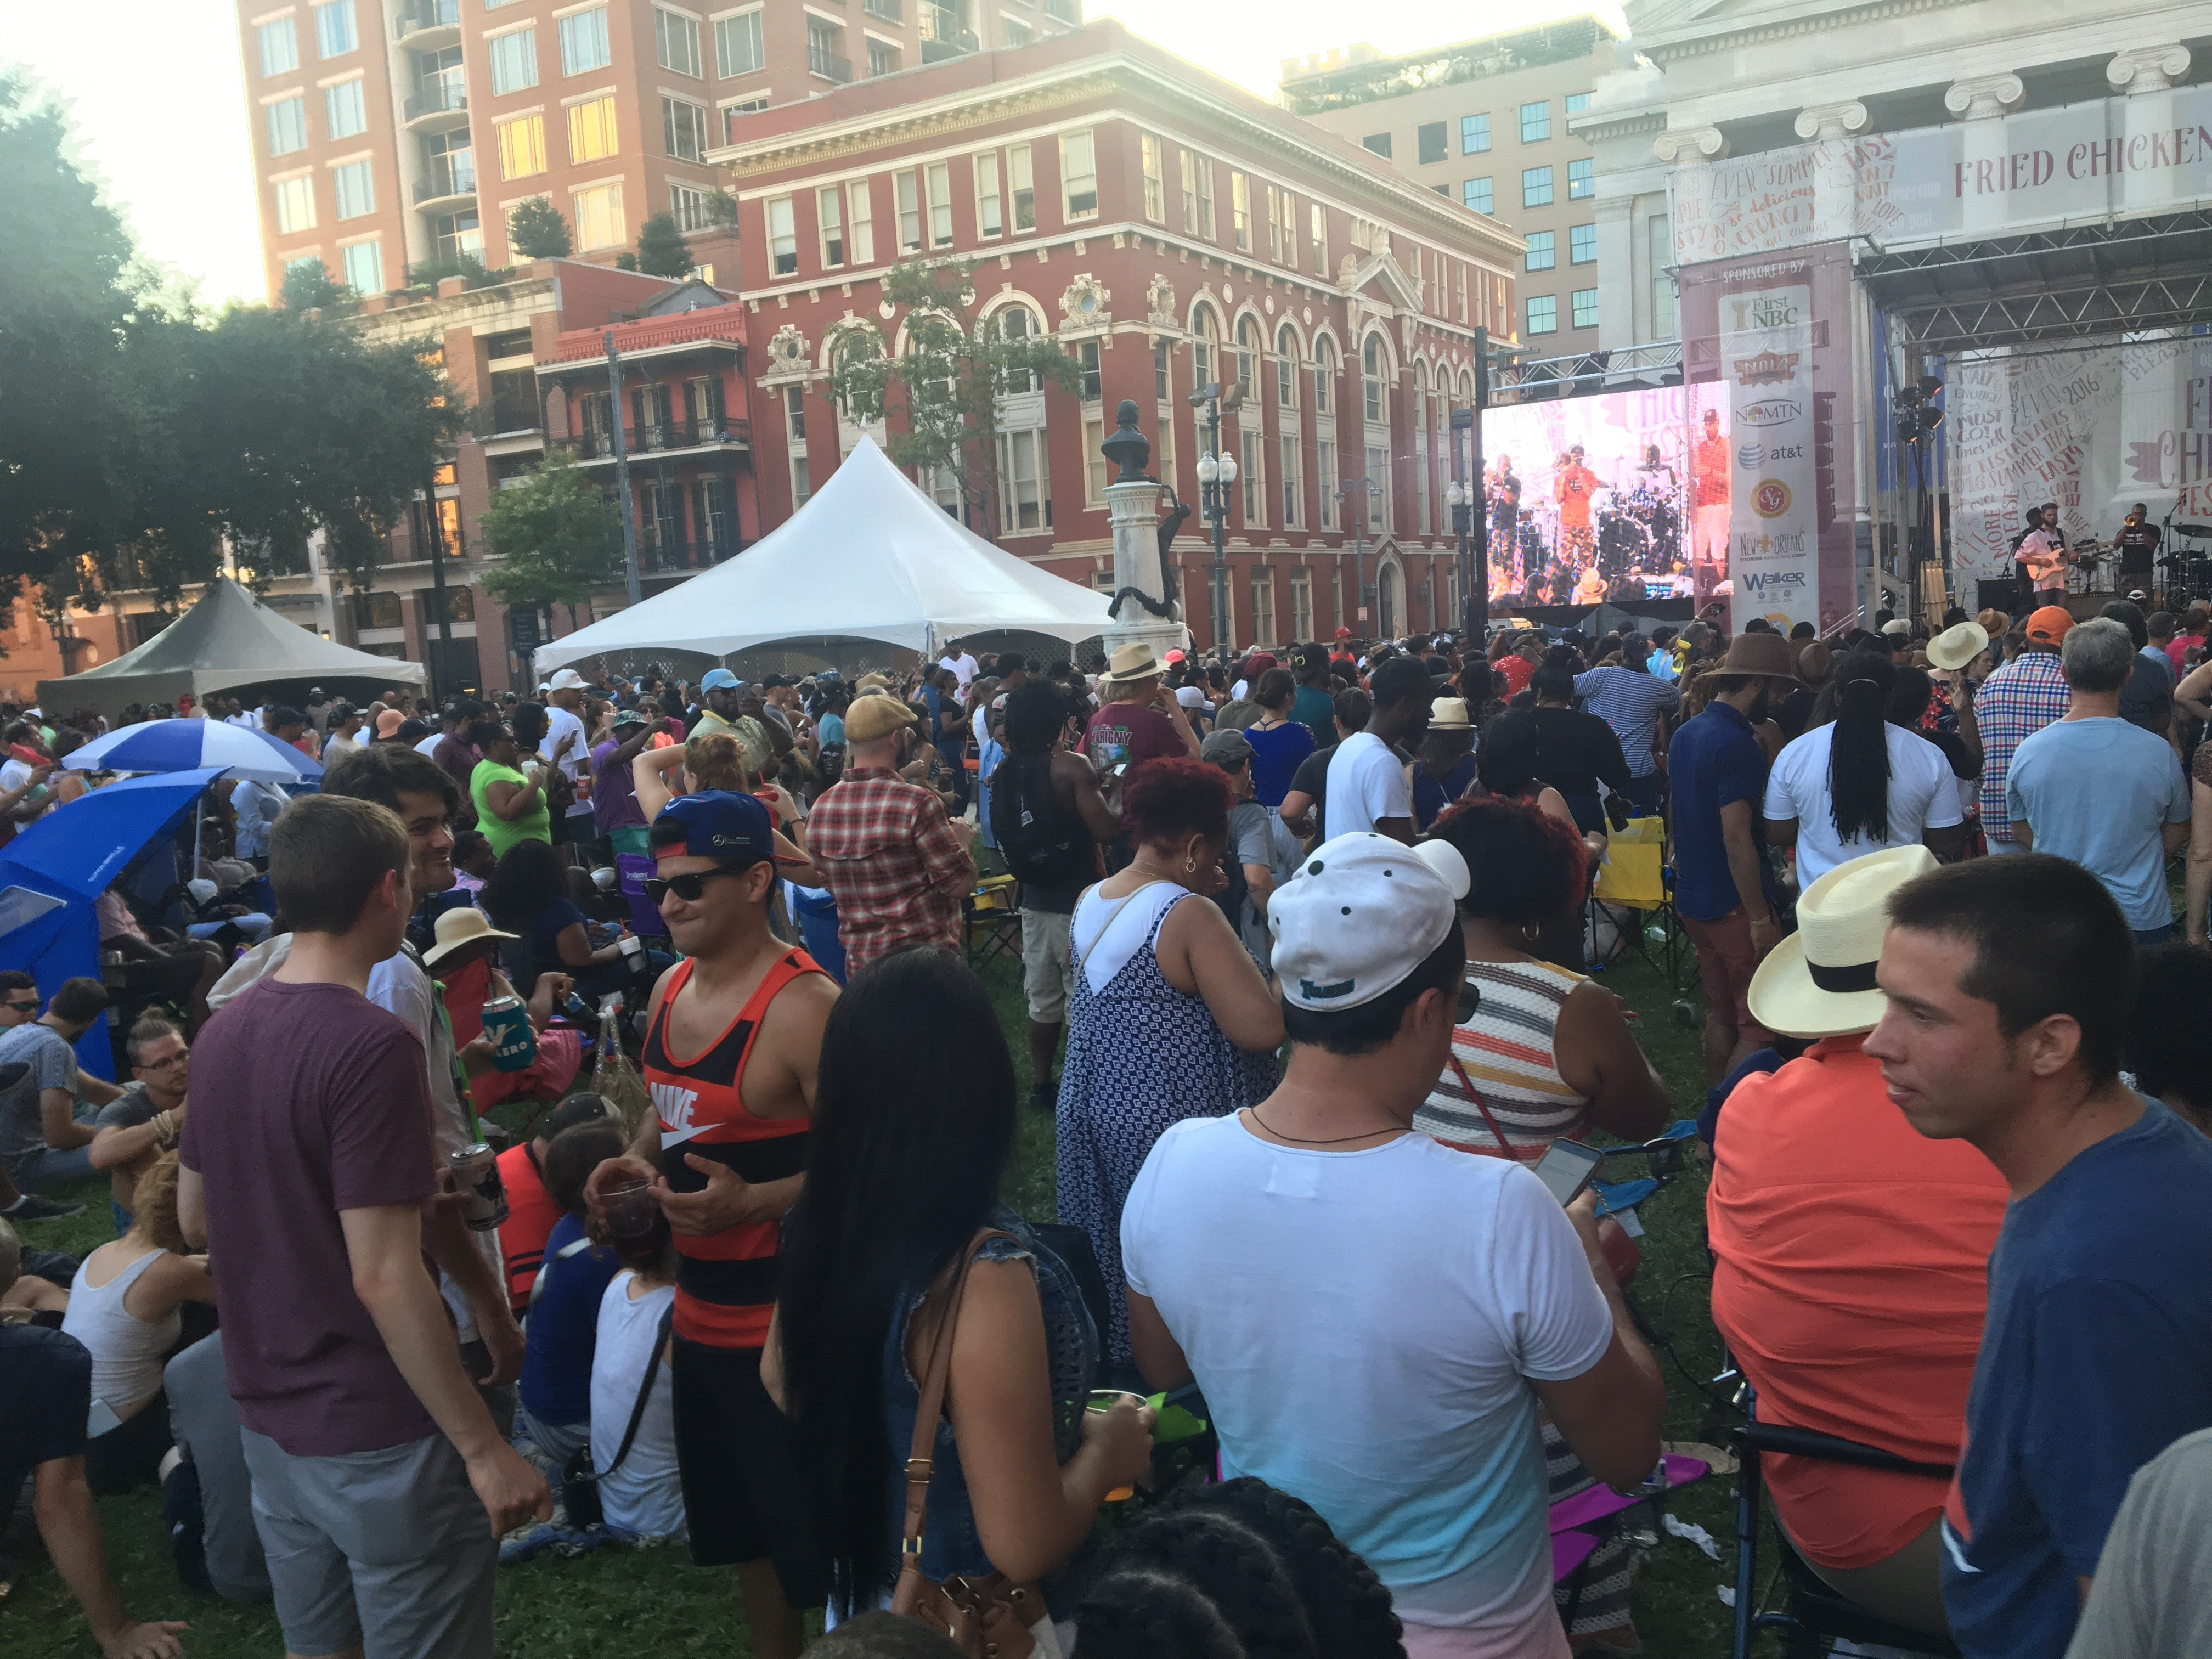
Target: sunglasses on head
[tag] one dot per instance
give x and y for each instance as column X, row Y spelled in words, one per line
column 689, row 888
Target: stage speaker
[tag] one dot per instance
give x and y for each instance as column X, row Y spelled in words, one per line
column 1996, row 594
column 2083, row 606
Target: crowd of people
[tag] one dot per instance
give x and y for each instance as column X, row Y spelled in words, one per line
column 1303, row 954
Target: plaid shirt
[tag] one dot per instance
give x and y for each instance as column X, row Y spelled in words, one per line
column 1629, row 700
column 2016, row 702
column 892, row 862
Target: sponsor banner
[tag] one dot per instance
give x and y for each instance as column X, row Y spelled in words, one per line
column 2110, row 157
column 1595, row 498
column 2096, row 430
column 1771, row 338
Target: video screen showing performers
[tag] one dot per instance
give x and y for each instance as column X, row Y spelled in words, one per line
column 1608, row 498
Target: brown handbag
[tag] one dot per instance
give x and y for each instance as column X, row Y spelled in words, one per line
column 985, row 1618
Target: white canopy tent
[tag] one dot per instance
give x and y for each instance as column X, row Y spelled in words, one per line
column 229, row 638
column 869, row 557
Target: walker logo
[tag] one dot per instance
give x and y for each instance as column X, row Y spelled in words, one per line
column 1780, row 412
column 1766, row 367
column 674, row 1103
column 1770, row 584
column 1770, row 498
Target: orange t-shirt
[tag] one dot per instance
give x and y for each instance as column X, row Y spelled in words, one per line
column 1849, row 1277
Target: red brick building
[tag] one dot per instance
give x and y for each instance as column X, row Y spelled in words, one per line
column 1168, row 229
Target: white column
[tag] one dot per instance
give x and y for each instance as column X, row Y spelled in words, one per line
column 2147, row 74
column 1686, row 146
column 1845, row 119
column 1981, row 103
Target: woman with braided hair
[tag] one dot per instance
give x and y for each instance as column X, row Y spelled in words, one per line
column 1238, row 1571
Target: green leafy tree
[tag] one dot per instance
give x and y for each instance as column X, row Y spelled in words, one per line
column 661, row 250
column 536, row 230
column 940, row 400
column 553, row 539
column 431, row 272
column 308, row 286
column 625, row 260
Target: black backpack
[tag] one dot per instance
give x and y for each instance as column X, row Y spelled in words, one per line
column 1043, row 843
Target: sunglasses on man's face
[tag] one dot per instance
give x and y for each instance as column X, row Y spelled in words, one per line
column 691, row 888
column 27, row 1007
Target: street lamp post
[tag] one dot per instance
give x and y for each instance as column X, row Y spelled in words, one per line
column 1216, row 477
column 1362, row 487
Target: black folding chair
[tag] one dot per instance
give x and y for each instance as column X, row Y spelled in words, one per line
column 1813, row 1613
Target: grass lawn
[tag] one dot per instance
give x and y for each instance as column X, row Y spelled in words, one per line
column 595, row 1608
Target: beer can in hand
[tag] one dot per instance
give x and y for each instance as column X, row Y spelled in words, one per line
column 506, row 1022
column 476, row 1172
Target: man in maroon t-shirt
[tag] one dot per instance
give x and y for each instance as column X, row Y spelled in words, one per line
column 1139, row 720
column 381, row 1484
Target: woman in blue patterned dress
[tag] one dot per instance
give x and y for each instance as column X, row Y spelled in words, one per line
column 1168, row 1017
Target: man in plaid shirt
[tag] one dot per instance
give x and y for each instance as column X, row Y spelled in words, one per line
column 2016, row 702
column 885, row 849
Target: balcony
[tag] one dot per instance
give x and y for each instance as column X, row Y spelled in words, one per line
column 508, row 413
column 438, row 105
column 668, row 555
column 661, row 438
column 943, row 35
column 828, row 64
column 445, row 188
column 886, row 11
column 425, row 25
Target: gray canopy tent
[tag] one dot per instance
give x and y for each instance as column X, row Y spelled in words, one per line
column 228, row 639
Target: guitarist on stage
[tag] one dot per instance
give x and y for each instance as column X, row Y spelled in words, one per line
column 2043, row 559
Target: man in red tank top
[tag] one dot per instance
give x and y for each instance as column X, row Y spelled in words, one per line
column 730, row 1058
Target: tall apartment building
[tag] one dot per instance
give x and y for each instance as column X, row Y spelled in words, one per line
column 391, row 133
column 1485, row 122
column 1168, row 230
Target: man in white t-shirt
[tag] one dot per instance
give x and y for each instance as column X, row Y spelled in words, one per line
column 961, row 661
column 566, row 747
column 1921, row 796
column 1368, row 786
column 1376, row 1318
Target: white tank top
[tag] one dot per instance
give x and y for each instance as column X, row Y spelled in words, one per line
column 1104, row 933
column 644, row 1495
column 126, row 1351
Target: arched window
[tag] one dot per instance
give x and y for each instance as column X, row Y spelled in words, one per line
column 1205, row 343
column 1421, row 403
column 1370, row 378
column 1249, row 349
column 1324, row 376
column 854, row 345
column 1017, row 322
column 1286, row 367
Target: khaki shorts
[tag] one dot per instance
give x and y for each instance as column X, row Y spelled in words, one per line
column 1046, row 973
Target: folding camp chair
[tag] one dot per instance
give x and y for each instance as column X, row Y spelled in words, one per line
column 991, row 922
column 1813, row 1615
column 1580, row 1524
column 1632, row 899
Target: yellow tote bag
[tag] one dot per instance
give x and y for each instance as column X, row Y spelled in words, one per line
column 1631, row 873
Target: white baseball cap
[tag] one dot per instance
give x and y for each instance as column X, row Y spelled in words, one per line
column 1360, row 914
column 1190, row 697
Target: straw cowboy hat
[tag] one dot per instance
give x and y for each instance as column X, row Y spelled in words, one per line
column 1130, row 663
column 457, row 928
column 1449, row 715
column 1818, row 983
column 1955, row 647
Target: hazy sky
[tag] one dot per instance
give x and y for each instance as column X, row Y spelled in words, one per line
column 156, row 93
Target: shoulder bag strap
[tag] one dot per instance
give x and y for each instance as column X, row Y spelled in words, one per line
column 1111, row 916
column 1482, row 1106
column 644, row 1391
column 936, row 1375
column 537, row 1279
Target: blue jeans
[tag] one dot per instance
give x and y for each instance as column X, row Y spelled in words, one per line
column 2146, row 938
column 46, row 1167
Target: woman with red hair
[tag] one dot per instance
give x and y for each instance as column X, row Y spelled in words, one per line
column 1168, row 1019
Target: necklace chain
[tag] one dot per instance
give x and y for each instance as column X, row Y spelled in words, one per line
column 1334, row 1140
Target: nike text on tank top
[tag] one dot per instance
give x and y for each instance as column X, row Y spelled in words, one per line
column 726, row 1282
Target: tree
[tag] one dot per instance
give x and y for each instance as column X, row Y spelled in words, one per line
column 947, row 388
column 308, row 288
column 661, row 250
column 431, row 272
column 553, row 537
column 536, row 230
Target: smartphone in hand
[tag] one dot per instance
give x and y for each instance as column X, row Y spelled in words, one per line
column 1566, row 1168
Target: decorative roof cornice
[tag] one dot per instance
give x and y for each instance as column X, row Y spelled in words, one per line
column 1701, row 37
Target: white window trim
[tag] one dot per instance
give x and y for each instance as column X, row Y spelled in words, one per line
column 348, row 161
column 271, row 17
column 737, row 98
column 511, row 29
column 308, row 172
column 508, row 115
column 682, row 95
column 355, row 241
column 590, row 97
column 268, row 98
column 328, row 82
column 826, row 17
column 578, row 185
column 883, row 40
column 735, row 11
column 692, row 16
column 589, row 5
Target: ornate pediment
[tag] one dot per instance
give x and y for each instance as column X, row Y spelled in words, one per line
column 1083, row 306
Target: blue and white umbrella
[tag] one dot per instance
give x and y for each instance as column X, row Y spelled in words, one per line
column 190, row 745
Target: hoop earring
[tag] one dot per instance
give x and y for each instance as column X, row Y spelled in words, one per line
column 1531, row 931
column 1190, row 864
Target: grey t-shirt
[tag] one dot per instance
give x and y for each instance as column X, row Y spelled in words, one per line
column 53, row 1066
column 204, row 1424
column 2152, row 1595
column 127, row 1110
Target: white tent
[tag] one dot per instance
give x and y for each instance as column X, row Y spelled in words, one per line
column 869, row 557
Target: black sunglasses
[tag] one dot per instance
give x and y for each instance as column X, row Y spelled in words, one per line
column 1470, row 1000
column 30, row 1007
column 687, row 888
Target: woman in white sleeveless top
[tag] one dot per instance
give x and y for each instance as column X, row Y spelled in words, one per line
column 123, row 1307
column 641, row 1495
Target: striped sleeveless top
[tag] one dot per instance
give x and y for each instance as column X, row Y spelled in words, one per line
column 726, row 1282
column 1507, row 1054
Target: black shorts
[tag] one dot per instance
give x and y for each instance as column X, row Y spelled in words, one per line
column 743, row 1494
